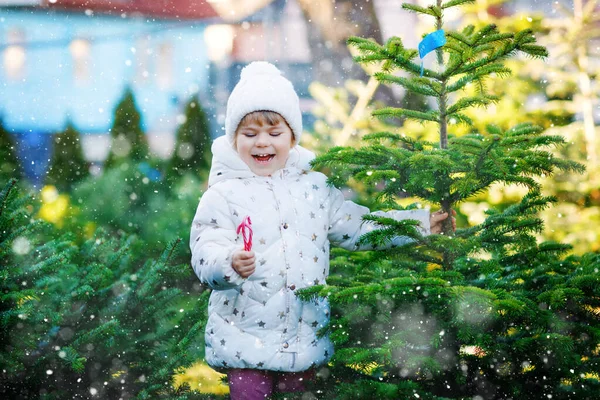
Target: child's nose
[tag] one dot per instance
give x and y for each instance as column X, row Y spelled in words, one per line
column 262, row 140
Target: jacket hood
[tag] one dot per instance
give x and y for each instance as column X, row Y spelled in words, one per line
column 227, row 164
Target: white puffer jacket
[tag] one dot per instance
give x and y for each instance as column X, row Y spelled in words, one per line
column 259, row 322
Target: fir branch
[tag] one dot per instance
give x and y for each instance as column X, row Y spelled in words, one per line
column 589, row 283
column 468, row 30
column 5, row 193
column 383, row 236
column 455, row 49
column 524, row 129
column 377, row 175
column 557, row 298
column 454, row 3
column 478, row 167
column 534, row 51
column 363, row 44
column 405, row 63
column 485, row 32
column 501, row 53
column 417, row 254
column 420, row 10
column 391, row 112
column 460, row 38
column 472, row 101
column 568, row 165
column 19, row 297
column 49, row 265
column 461, row 83
column 470, row 143
column 495, row 68
column 105, row 330
column 460, row 118
column 421, row 86
column 408, row 143
column 483, row 48
column 511, row 308
column 169, row 251
column 370, row 58
column 72, row 358
column 487, row 39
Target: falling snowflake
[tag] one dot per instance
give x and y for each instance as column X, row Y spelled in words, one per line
column 21, row 246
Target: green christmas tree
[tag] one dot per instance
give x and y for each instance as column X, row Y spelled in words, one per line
column 485, row 312
column 9, row 164
column 95, row 319
column 128, row 141
column 19, row 235
column 192, row 147
column 68, row 164
column 152, row 210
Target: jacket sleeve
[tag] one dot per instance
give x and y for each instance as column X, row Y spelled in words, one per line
column 346, row 225
column 212, row 241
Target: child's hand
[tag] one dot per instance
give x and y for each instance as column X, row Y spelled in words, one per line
column 435, row 221
column 243, row 262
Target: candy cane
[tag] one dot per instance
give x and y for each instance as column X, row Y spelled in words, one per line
column 246, row 228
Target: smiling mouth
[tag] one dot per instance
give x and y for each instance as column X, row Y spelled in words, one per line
column 263, row 158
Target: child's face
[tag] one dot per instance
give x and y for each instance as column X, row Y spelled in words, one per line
column 264, row 148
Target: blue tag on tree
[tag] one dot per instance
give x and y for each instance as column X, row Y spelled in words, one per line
column 431, row 42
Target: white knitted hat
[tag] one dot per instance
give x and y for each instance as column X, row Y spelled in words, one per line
column 263, row 88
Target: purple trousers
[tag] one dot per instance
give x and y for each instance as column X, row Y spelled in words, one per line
column 254, row 384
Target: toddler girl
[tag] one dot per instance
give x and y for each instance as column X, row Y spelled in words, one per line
column 258, row 330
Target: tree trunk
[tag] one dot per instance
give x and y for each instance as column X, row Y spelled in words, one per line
column 585, row 88
column 331, row 22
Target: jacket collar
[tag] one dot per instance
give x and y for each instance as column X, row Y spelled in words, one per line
column 227, row 164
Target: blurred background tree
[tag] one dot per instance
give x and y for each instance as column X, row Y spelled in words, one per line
column 128, row 141
column 571, row 84
column 139, row 205
column 67, row 165
column 559, row 94
column 9, row 163
column 95, row 319
column 192, row 145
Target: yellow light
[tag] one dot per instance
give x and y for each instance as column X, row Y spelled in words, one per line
column 54, row 205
